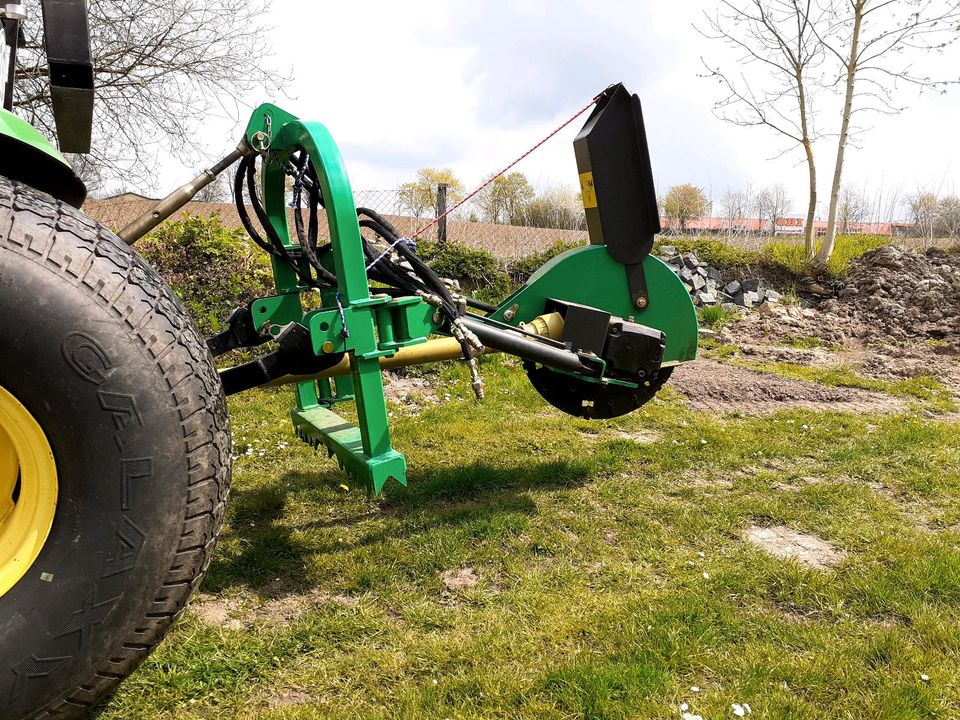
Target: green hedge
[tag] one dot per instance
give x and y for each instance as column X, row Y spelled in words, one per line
column 523, row 268
column 778, row 258
column 479, row 272
column 212, row 269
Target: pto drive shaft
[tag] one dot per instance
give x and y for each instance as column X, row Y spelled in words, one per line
column 547, row 326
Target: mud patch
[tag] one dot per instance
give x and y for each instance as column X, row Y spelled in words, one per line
column 716, row 387
column 808, row 550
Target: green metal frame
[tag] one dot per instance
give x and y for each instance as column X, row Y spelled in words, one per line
column 590, row 276
column 20, row 130
column 27, row 156
column 376, row 325
column 369, row 326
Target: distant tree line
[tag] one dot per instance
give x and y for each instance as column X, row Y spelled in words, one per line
column 935, row 217
column 509, row 200
column 512, row 200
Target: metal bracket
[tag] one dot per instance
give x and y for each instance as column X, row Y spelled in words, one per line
column 637, row 283
column 241, row 332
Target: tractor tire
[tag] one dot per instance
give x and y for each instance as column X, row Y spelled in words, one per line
column 100, row 354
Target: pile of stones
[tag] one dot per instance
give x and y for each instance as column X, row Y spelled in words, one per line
column 707, row 287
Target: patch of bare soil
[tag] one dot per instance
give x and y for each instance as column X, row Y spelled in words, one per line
column 409, row 389
column 237, row 613
column 461, row 579
column 808, row 550
column 899, row 294
column 766, row 335
column 284, row 698
column 716, row 387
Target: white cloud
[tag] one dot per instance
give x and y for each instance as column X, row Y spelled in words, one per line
column 473, row 83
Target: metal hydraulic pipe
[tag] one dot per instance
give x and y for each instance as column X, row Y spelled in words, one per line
column 180, row 197
column 549, row 325
column 528, row 348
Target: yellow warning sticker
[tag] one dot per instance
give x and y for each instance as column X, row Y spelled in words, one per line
column 587, row 192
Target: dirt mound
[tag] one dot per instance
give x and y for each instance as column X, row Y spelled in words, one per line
column 716, row 387
column 896, row 294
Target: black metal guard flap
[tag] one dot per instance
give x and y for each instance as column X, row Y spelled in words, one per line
column 67, row 38
column 616, row 178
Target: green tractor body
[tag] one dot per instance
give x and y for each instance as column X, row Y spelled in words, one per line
column 28, row 157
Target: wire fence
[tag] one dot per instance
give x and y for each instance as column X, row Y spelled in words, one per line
column 504, row 241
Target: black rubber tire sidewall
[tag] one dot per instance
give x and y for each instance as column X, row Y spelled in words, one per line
column 104, row 358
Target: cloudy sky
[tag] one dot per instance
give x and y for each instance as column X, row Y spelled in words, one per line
column 470, row 84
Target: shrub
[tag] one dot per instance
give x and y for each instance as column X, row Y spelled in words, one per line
column 212, row 269
column 478, row 271
column 520, row 270
column 780, row 260
column 711, row 251
column 715, row 317
column 846, row 249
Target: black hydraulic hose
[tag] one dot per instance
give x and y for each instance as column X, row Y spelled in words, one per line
column 426, row 273
column 480, row 305
column 401, row 281
column 311, row 247
column 261, row 214
column 242, row 209
column 526, row 347
column 433, row 282
column 379, row 219
column 275, row 246
column 298, row 170
column 399, row 292
column 392, row 273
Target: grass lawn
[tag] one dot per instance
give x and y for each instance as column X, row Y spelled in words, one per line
column 541, row 566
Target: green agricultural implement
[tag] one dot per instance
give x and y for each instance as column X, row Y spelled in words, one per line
column 114, row 438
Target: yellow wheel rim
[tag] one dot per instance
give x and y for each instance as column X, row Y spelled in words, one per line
column 28, row 490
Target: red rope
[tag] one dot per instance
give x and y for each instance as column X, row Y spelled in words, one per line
column 489, row 180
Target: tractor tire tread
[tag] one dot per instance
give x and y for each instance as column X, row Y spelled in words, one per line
column 117, row 279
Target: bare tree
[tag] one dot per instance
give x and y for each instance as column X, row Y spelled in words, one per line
column 924, row 211
column 735, row 204
column 772, row 204
column 875, row 42
column 779, row 38
column 162, row 70
column 219, row 191
column 949, row 220
column 557, row 207
column 854, row 208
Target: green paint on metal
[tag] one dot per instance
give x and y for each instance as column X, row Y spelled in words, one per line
column 27, row 156
column 367, row 327
column 364, row 452
column 590, row 276
column 320, row 426
column 13, row 127
column 277, row 310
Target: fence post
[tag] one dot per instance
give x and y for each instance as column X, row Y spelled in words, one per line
column 441, row 209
